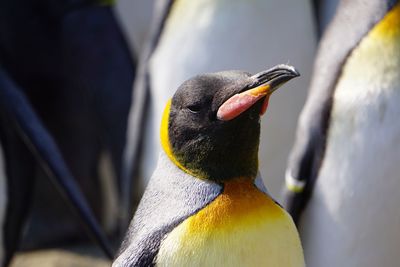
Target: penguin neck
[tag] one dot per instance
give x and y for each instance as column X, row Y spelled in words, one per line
column 218, row 176
column 215, row 167
column 165, row 163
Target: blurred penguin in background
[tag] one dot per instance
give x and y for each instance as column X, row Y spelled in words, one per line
column 191, row 37
column 73, row 64
column 26, row 146
column 343, row 174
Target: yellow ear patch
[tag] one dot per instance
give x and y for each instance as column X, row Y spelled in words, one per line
column 164, row 135
column 389, row 27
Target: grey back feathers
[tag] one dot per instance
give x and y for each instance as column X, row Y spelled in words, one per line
column 171, row 196
column 353, row 20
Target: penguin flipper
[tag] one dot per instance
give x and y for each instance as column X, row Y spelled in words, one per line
column 308, row 151
column 15, row 105
column 139, row 107
column 171, row 196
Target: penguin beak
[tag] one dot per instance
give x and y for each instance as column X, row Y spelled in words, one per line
column 261, row 85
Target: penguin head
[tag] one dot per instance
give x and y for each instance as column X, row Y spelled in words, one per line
column 211, row 126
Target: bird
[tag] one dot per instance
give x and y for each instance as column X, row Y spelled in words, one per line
column 342, row 177
column 191, row 37
column 73, row 64
column 24, row 143
column 205, row 204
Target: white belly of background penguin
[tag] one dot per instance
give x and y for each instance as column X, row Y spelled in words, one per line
column 357, row 193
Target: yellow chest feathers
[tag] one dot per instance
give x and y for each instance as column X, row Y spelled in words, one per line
column 241, row 227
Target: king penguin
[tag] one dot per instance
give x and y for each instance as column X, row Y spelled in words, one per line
column 343, row 174
column 203, row 205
